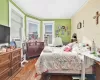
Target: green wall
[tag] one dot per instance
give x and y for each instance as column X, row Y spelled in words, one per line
column 62, row 22
column 4, row 19
column 4, row 12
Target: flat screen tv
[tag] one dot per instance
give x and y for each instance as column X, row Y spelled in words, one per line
column 4, row 34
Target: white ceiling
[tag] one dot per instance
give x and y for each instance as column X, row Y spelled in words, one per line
column 51, row 9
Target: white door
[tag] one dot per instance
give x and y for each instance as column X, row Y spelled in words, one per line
column 48, row 29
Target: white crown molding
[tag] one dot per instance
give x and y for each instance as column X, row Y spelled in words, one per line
column 33, row 20
column 18, row 6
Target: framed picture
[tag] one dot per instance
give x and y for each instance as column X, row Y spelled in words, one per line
column 79, row 25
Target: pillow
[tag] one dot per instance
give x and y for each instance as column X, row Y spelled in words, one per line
column 68, row 49
column 70, row 44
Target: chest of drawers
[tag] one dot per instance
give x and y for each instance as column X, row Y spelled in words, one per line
column 10, row 63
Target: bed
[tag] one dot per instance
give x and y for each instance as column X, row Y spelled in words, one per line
column 56, row 60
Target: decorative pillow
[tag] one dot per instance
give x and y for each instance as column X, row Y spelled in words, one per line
column 68, row 49
column 70, row 44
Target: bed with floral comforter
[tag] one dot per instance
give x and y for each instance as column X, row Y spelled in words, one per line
column 57, row 59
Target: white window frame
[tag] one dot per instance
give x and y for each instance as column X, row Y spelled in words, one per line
column 11, row 6
column 34, row 21
column 53, row 28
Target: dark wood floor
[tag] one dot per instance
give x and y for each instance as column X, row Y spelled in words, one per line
column 28, row 73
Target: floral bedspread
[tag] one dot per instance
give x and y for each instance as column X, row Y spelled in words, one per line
column 57, row 59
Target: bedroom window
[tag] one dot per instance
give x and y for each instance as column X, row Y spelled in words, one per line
column 16, row 24
column 33, row 27
column 48, row 30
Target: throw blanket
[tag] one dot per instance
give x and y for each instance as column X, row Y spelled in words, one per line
column 57, row 60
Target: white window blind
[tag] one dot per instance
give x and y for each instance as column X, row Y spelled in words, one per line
column 33, row 28
column 16, row 25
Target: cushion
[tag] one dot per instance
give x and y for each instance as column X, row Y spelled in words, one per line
column 67, row 49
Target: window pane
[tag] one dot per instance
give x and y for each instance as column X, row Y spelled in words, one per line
column 16, row 17
column 50, row 39
column 48, row 31
column 33, row 28
column 48, row 28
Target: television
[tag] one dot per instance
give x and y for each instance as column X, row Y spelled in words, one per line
column 4, row 34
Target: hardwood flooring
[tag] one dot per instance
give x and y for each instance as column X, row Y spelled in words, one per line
column 28, row 73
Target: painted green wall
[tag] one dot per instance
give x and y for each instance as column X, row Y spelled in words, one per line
column 64, row 22
column 4, row 12
column 4, row 19
column 61, row 22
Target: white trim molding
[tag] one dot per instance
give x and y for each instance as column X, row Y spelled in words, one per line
column 30, row 20
column 12, row 7
column 53, row 28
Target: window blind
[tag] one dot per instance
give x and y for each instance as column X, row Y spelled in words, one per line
column 16, row 25
column 33, row 28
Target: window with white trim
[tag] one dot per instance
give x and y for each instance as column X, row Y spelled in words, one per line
column 16, row 27
column 16, row 24
column 33, row 28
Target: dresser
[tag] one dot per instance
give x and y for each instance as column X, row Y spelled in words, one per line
column 10, row 64
column 34, row 49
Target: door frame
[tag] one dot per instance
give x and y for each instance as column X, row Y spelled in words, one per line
column 49, row 22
